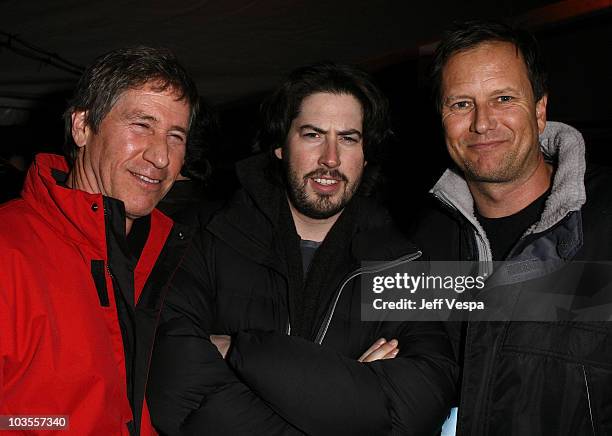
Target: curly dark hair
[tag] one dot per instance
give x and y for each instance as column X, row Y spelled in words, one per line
column 280, row 109
column 468, row 34
column 115, row 72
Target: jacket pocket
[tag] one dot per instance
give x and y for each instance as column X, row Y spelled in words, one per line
column 582, row 343
column 553, row 379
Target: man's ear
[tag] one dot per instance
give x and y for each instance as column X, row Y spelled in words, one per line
column 80, row 129
column 541, row 112
column 278, row 151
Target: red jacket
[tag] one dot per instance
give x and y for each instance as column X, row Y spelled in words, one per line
column 61, row 348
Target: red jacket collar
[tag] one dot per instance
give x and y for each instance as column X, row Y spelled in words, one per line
column 76, row 214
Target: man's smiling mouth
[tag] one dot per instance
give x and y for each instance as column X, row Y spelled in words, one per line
column 145, row 178
column 325, row 181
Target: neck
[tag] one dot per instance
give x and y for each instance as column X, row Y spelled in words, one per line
column 128, row 225
column 496, row 200
column 77, row 179
column 310, row 228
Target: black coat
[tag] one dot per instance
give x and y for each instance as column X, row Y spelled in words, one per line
column 243, row 278
column 534, row 378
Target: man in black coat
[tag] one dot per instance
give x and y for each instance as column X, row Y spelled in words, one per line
column 521, row 193
column 261, row 332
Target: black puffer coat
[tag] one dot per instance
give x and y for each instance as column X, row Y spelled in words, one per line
column 243, row 278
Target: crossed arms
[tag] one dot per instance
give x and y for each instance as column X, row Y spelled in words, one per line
column 274, row 384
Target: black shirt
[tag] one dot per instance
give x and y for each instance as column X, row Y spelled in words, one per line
column 503, row 233
column 137, row 238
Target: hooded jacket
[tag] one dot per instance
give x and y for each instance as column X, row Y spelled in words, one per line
column 77, row 315
column 544, row 378
column 291, row 370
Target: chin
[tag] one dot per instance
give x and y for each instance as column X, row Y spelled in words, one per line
column 318, row 212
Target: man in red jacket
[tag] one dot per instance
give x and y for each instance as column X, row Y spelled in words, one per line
column 83, row 252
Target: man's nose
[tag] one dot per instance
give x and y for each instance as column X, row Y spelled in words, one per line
column 483, row 119
column 329, row 155
column 157, row 151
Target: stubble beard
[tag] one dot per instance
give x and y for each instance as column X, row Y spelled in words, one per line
column 503, row 172
column 321, row 206
column 509, row 168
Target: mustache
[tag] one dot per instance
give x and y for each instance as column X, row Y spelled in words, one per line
column 333, row 174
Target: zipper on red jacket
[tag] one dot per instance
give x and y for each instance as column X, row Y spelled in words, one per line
column 356, row 273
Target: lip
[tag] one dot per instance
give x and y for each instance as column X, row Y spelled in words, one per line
column 142, row 181
column 325, row 189
column 486, row 145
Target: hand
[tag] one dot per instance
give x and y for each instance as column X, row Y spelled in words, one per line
column 222, row 342
column 381, row 349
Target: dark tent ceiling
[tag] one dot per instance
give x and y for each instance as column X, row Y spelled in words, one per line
column 234, row 48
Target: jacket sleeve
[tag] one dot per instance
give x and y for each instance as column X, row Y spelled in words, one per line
column 323, row 391
column 191, row 389
column 6, row 327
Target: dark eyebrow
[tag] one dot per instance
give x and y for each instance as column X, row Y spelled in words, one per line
column 315, row 128
column 179, row 129
column 505, row 90
column 141, row 116
column 457, row 97
column 323, row 132
column 501, row 91
column 350, row 132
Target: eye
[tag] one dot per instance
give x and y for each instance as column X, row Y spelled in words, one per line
column 141, row 126
column 461, row 105
column 176, row 139
column 349, row 139
column 505, row 98
column 311, row 137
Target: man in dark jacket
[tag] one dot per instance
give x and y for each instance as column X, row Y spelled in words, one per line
column 521, row 192
column 274, row 282
column 84, row 253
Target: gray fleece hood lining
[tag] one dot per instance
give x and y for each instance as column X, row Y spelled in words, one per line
column 560, row 143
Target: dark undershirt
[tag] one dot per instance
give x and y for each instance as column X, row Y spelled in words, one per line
column 138, row 235
column 503, row 233
column 308, row 249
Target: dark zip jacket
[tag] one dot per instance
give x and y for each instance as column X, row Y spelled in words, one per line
column 292, row 367
column 534, row 378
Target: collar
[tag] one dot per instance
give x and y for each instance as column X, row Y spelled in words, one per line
column 263, row 192
column 75, row 214
column 78, row 215
column 261, row 178
column 561, row 144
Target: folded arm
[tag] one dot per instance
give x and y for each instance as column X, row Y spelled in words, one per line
column 191, row 389
column 276, row 384
column 322, row 390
